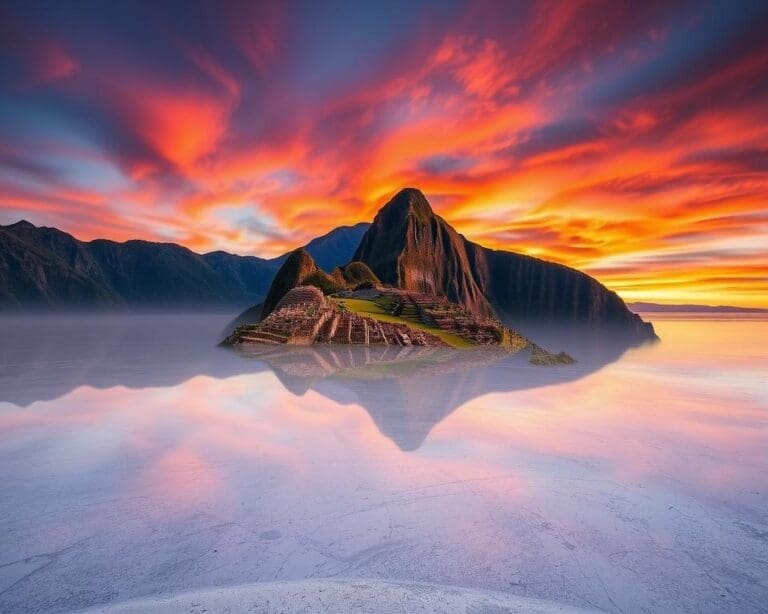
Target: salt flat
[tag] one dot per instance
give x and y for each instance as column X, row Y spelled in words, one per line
column 140, row 462
column 338, row 596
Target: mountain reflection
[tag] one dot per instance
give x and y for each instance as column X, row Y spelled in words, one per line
column 406, row 391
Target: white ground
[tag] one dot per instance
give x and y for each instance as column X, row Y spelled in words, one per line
column 366, row 596
column 137, row 463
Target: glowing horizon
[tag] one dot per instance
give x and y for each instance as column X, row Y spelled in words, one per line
column 629, row 144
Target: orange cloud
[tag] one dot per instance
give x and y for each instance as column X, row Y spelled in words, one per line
column 605, row 148
column 181, row 128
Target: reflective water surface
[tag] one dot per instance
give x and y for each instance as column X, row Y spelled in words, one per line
column 139, row 459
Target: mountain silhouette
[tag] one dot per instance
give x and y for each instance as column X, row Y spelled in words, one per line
column 411, row 247
column 334, row 248
column 44, row 267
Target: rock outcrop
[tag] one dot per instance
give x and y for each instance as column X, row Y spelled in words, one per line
column 299, row 269
column 357, row 274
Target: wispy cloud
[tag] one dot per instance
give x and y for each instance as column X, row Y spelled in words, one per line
column 627, row 140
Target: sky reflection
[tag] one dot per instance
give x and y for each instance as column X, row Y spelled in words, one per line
column 646, row 472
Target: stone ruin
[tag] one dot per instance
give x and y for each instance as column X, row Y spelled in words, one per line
column 439, row 312
column 302, row 295
column 304, row 316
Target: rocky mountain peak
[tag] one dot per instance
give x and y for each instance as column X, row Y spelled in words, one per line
column 407, row 202
column 21, row 225
column 410, row 247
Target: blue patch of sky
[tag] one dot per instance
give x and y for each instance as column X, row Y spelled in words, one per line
column 251, row 218
column 555, row 135
column 698, row 34
column 344, row 40
column 32, row 128
column 445, row 164
column 287, row 178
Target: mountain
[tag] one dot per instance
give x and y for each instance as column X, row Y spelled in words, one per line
column 45, row 267
column 407, row 246
column 659, row 308
column 411, row 247
column 297, row 270
column 333, row 249
column 300, row 269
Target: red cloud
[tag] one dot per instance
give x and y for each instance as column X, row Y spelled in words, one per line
column 502, row 122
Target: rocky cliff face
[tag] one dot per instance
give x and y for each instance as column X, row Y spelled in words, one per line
column 410, row 247
column 525, row 288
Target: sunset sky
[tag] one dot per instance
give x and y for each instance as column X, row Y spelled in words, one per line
column 627, row 139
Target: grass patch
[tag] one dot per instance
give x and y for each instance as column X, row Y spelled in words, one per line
column 373, row 310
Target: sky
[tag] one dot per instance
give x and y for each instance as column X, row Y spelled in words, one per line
column 626, row 139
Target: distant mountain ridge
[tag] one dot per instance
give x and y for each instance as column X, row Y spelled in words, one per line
column 688, row 308
column 334, row 248
column 42, row 267
column 45, row 267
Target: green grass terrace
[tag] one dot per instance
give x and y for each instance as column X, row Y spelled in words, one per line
column 377, row 310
